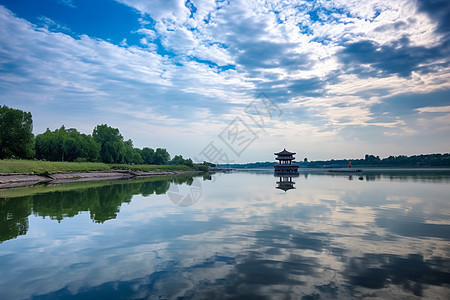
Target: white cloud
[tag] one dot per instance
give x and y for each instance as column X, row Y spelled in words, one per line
column 151, row 34
column 271, row 46
column 434, row 109
column 49, row 24
column 160, row 9
column 68, row 3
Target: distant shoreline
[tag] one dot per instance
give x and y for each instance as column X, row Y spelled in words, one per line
column 367, row 170
column 364, row 168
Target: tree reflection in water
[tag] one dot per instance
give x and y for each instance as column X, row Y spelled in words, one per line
column 14, row 217
column 375, row 236
column 102, row 202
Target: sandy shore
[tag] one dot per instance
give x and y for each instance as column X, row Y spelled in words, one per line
column 11, row 180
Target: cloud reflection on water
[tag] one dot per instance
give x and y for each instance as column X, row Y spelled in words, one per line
column 328, row 238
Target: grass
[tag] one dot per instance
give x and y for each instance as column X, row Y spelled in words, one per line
column 49, row 167
column 46, row 167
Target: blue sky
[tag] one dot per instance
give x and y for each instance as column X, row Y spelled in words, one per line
column 345, row 77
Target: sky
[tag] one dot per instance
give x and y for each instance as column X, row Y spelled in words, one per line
column 235, row 81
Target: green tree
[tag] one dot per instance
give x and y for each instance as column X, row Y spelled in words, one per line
column 162, row 157
column 88, row 148
column 131, row 155
column 47, row 146
column 137, row 157
column 111, row 143
column 179, row 160
column 189, row 162
column 66, row 145
column 127, row 152
column 16, row 137
column 148, row 155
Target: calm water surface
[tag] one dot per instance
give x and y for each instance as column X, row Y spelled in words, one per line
column 382, row 234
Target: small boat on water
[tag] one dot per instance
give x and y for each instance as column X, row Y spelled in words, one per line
column 346, row 170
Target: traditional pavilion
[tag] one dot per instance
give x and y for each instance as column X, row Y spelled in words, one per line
column 285, row 165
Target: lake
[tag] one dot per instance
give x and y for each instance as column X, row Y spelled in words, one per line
column 380, row 234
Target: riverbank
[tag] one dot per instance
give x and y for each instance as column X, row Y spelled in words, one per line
column 39, row 167
column 20, row 173
column 13, row 180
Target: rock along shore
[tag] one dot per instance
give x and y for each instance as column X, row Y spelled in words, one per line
column 12, row 180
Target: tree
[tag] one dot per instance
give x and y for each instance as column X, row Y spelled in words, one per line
column 179, row 160
column 88, row 148
column 47, row 146
column 148, row 155
column 131, row 155
column 188, row 162
column 66, row 145
column 162, row 157
column 16, row 137
column 111, row 143
column 136, row 157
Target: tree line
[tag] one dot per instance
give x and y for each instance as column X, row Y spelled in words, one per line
column 106, row 144
column 369, row 160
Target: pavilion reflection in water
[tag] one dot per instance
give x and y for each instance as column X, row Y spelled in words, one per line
column 285, row 182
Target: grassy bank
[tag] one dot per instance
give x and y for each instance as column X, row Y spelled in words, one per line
column 42, row 167
column 48, row 167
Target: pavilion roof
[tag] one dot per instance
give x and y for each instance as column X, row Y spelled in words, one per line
column 285, row 152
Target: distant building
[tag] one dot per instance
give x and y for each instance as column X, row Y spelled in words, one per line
column 285, row 165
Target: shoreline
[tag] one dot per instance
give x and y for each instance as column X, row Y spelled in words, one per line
column 13, row 180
